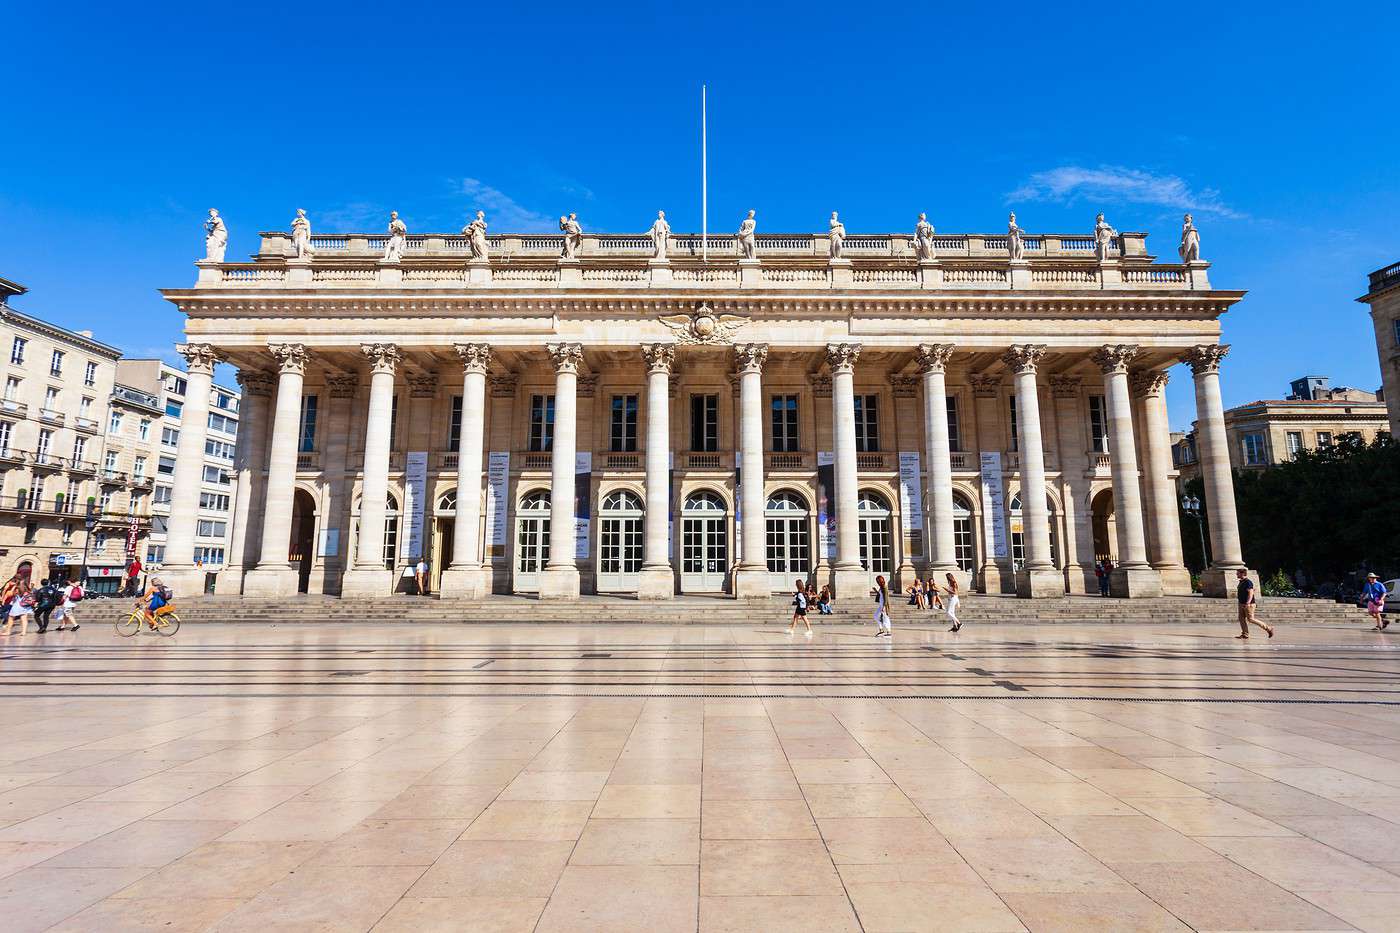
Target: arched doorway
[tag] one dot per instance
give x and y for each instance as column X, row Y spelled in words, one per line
column 531, row 540
column 788, row 544
column 619, row 542
column 1105, row 528
column 301, row 550
column 1018, row 537
column 964, row 544
column 704, row 544
column 444, row 536
column 876, row 542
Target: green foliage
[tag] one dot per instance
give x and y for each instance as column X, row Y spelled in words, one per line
column 1276, row 585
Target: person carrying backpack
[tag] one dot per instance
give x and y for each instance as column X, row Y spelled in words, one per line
column 66, row 614
column 159, row 601
column 799, row 608
column 21, row 606
column 46, row 599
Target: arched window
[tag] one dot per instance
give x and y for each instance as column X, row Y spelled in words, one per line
column 704, row 502
column 447, row 503
column 532, row 538
column 619, row 541
column 704, row 543
column 876, row 543
column 964, row 550
column 1018, row 538
column 788, row 538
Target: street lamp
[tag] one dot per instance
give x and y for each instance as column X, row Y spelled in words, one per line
column 1192, row 506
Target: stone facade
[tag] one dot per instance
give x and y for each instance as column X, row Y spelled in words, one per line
column 1384, row 299
column 707, row 426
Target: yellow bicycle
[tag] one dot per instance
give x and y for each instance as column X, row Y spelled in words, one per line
column 166, row 625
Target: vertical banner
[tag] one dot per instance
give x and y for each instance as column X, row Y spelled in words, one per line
column 497, row 480
column 671, row 505
column 826, row 503
column 583, row 501
column 910, row 502
column 415, row 482
column 738, row 509
column 993, row 503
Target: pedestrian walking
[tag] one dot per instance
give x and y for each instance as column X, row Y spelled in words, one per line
column 1244, row 594
column 46, row 600
column 131, row 586
column 1102, row 568
column 1373, row 594
column 882, row 608
column 66, row 614
column 951, row 604
column 21, row 607
column 799, row 608
column 420, row 574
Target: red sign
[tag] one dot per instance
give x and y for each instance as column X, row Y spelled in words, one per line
column 133, row 530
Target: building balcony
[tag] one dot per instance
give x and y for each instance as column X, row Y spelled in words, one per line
column 51, row 416
column 308, row 461
column 112, row 477
column 142, row 482
column 86, row 425
column 357, row 460
column 88, row 467
column 447, row 460
column 9, row 406
column 626, row 462
column 126, row 395
column 48, row 460
column 535, row 460
column 874, row 461
column 963, row 461
column 706, row 460
column 780, row 461
column 9, row 456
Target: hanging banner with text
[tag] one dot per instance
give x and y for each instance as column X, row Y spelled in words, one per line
column 497, row 480
column 826, row 503
column 415, row 484
column 583, row 502
column 993, row 502
column 910, row 502
column 738, row 509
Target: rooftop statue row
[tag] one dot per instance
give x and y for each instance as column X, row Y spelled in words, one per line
column 745, row 240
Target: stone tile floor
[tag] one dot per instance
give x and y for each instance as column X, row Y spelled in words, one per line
column 656, row 778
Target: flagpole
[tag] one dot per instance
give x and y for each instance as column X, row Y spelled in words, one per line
column 704, row 183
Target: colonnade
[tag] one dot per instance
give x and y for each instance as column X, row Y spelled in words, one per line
column 468, row 576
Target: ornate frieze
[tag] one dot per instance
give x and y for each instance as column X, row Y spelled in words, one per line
column 821, row 386
column 340, row 385
column 704, row 326
column 501, row 386
column 1062, row 386
column 422, row 385
column 587, row 386
column 904, row 386
column 256, row 382
column 985, row 385
column 1147, row 382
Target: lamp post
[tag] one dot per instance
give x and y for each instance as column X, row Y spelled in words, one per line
column 1192, row 506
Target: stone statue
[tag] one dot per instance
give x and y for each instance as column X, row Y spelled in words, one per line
column 475, row 232
column 923, row 239
column 1015, row 247
column 1190, row 248
column 837, row 236
column 573, row 236
column 660, row 235
column 746, row 241
column 398, row 233
column 301, row 236
column 215, row 237
column 1103, row 237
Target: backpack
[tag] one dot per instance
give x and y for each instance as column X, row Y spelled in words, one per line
column 75, row 593
column 800, row 601
column 166, row 593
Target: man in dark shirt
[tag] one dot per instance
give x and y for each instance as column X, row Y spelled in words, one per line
column 46, row 597
column 1244, row 594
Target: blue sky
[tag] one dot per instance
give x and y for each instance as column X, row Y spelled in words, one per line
column 1274, row 124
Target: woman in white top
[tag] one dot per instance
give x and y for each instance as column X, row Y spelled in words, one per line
column 882, row 608
column 951, row 605
column 65, row 614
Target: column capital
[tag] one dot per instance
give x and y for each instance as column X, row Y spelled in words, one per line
column 985, row 385
column 1206, row 359
column 1065, row 386
column 1113, row 359
column 476, row 357
column 566, row 356
column 905, row 386
column 342, row 386
column 199, row 357
column 659, row 356
column 502, row 386
column 587, row 386
column 841, row 357
column 750, row 357
column 383, row 357
column 424, row 385
column 1147, row 382
column 256, row 382
column 291, row 357
column 933, row 357
column 1023, row 357
column 821, row 386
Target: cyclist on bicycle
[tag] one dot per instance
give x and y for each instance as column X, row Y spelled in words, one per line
column 159, row 601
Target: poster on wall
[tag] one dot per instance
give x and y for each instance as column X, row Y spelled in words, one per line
column 738, row 509
column 826, row 503
column 497, row 479
column 910, row 502
column 415, row 483
column 670, row 505
column 993, row 502
column 583, row 501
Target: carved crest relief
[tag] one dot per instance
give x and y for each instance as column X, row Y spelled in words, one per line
column 704, row 326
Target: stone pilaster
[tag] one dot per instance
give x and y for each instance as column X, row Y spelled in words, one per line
column 560, row 579
column 368, row 576
column 1164, row 536
column 1132, row 575
column 751, row 579
column 658, row 578
column 178, row 569
column 274, row 575
column 1039, row 578
column 468, row 576
column 1214, row 450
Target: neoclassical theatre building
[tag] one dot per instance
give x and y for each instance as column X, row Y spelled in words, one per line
column 653, row 415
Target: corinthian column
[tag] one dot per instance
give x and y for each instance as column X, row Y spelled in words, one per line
column 658, row 580
column 1039, row 578
column 1219, row 578
column 849, row 577
column 1164, row 529
column 1132, row 576
column 468, row 576
column 249, row 459
column 274, row 575
column 560, row 578
column 368, row 576
column 933, row 362
column 178, row 567
column 751, row 579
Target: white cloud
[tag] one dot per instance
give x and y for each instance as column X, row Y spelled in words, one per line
column 503, row 213
column 1114, row 184
column 354, row 217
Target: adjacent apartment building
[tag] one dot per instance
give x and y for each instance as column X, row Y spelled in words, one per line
column 1272, row 431
column 1383, row 296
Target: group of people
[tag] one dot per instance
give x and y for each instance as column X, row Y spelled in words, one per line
column 926, row 595
column 50, row 601
column 804, row 597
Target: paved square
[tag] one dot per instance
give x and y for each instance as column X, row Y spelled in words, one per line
column 656, row 778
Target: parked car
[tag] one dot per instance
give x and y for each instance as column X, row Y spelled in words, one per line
column 1392, row 595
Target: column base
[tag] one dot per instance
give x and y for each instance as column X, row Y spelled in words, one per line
column 852, row 583
column 187, row 582
column 656, row 583
column 465, row 583
column 991, row 578
column 752, row 583
column 1044, row 583
column 1176, row 580
column 229, row 581
column 559, row 583
column 367, row 582
column 1134, row 582
column 1219, row 582
column 270, row 581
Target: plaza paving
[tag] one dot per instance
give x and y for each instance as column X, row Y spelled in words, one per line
column 656, row 778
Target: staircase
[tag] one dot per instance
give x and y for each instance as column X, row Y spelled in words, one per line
column 512, row 610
